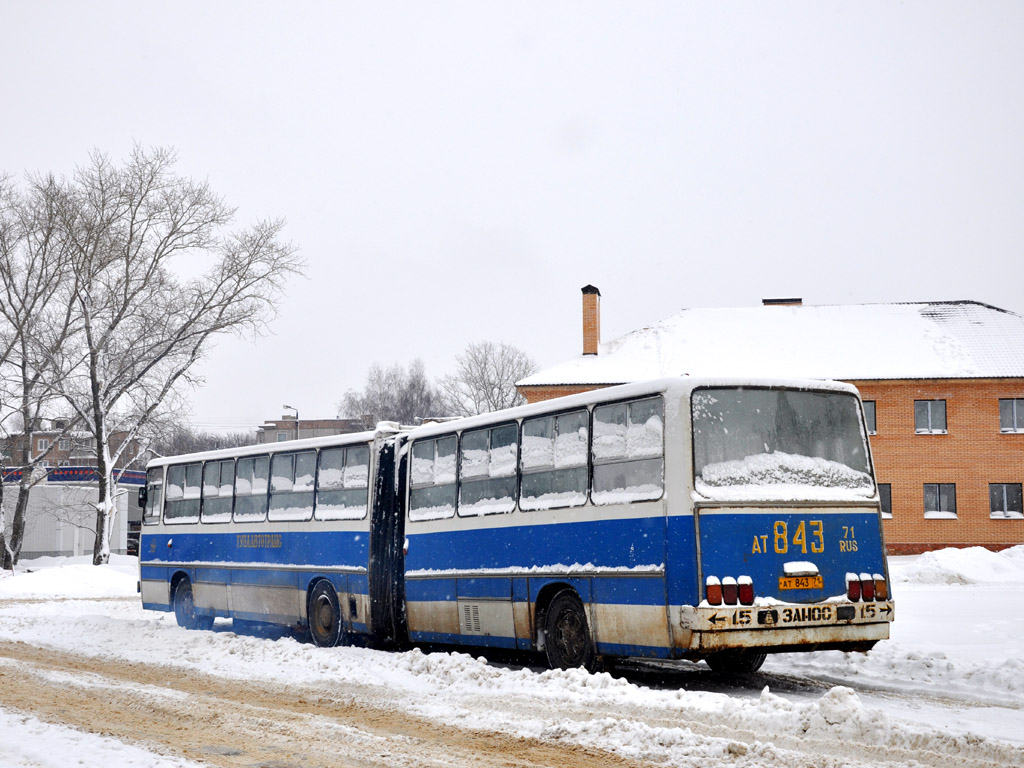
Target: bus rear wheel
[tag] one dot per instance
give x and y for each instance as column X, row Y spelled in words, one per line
column 567, row 642
column 324, row 615
column 736, row 662
column 185, row 612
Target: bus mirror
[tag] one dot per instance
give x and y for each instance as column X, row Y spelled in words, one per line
column 142, row 496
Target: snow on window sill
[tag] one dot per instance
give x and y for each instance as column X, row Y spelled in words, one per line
column 940, row 515
column 887, row 515
column 931, row 432
column 1006, row 515
column 1011, row 431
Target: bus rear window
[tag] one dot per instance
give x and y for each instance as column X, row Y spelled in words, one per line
column 779, row 444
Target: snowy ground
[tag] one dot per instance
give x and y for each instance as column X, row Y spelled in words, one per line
column 948, row 689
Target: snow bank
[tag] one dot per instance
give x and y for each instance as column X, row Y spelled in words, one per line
column 70, row 577
column 973, row 565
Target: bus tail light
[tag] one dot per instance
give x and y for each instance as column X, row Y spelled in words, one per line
column 730, row 590
column 852, row 587
column 746, row 585
column 881, row 588
column 713, row 590
column 867, row 587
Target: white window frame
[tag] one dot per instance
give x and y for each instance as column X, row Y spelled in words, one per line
column 1017, row 415
column 929, row 430
column 1004, row 513
column 885, row 515
column 939, row 514
column 871, row 423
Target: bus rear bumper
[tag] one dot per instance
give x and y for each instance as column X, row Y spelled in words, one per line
column 787, row 627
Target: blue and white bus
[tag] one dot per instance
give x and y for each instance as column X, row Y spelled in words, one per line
column 715, row 519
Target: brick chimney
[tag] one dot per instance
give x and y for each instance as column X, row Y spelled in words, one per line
column 591, row 319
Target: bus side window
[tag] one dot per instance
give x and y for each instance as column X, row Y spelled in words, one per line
column 554, row 461
column 154, row 496
column 629, row 451
column 433, row 479
column 487, row 470
column 183, row 493
column 291, row 485
column 218, row 486
column 343, row 483
column 251, row 480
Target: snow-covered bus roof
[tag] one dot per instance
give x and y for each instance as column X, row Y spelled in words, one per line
column 677, row 385
column 680, row 385
column 287, row 446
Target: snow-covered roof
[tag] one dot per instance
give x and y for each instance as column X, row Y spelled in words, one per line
column 943, row 339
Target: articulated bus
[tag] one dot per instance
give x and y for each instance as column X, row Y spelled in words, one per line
column 686, row 518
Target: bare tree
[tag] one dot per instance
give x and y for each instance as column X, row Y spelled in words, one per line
column 179, row 439
column 392, row 394
column 33, row 262
column 485, row 379
column 141, row 330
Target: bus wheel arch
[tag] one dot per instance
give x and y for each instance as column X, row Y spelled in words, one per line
column 183, row 601
column 323, row 614
column 564, row 631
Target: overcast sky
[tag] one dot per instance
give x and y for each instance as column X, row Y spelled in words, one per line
column 454, row 172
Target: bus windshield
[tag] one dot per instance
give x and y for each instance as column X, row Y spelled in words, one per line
column 776, row 444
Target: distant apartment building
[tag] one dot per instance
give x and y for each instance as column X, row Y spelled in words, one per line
column 291, row 428
column 57, row 446
column 942, row 384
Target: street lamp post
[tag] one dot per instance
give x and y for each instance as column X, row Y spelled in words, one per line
column 293, row 408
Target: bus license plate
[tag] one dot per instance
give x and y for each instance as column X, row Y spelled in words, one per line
column 800, row 582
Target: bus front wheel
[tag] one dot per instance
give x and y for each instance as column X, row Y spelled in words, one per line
column 324, row 615
column 567, row 642
column 185, row 608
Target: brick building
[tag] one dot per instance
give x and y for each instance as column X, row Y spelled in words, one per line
column 942, row 382
column 61, row 447
column 292, row 428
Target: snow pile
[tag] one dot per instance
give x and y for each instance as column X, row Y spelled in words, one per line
column 71, row 577
column 973, row 565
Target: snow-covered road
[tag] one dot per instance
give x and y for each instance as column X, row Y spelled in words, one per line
column 88, row 677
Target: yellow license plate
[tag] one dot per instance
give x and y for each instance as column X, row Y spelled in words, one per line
column 800, row 582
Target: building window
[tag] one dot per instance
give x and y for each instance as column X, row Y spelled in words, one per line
column 1011, row 415
column 282, row 436
column 940, row 500
column 930, row 417
column 1005, row 500
column 885, row 495
column 64, row 444
column 869, row 416
column 42, row 444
